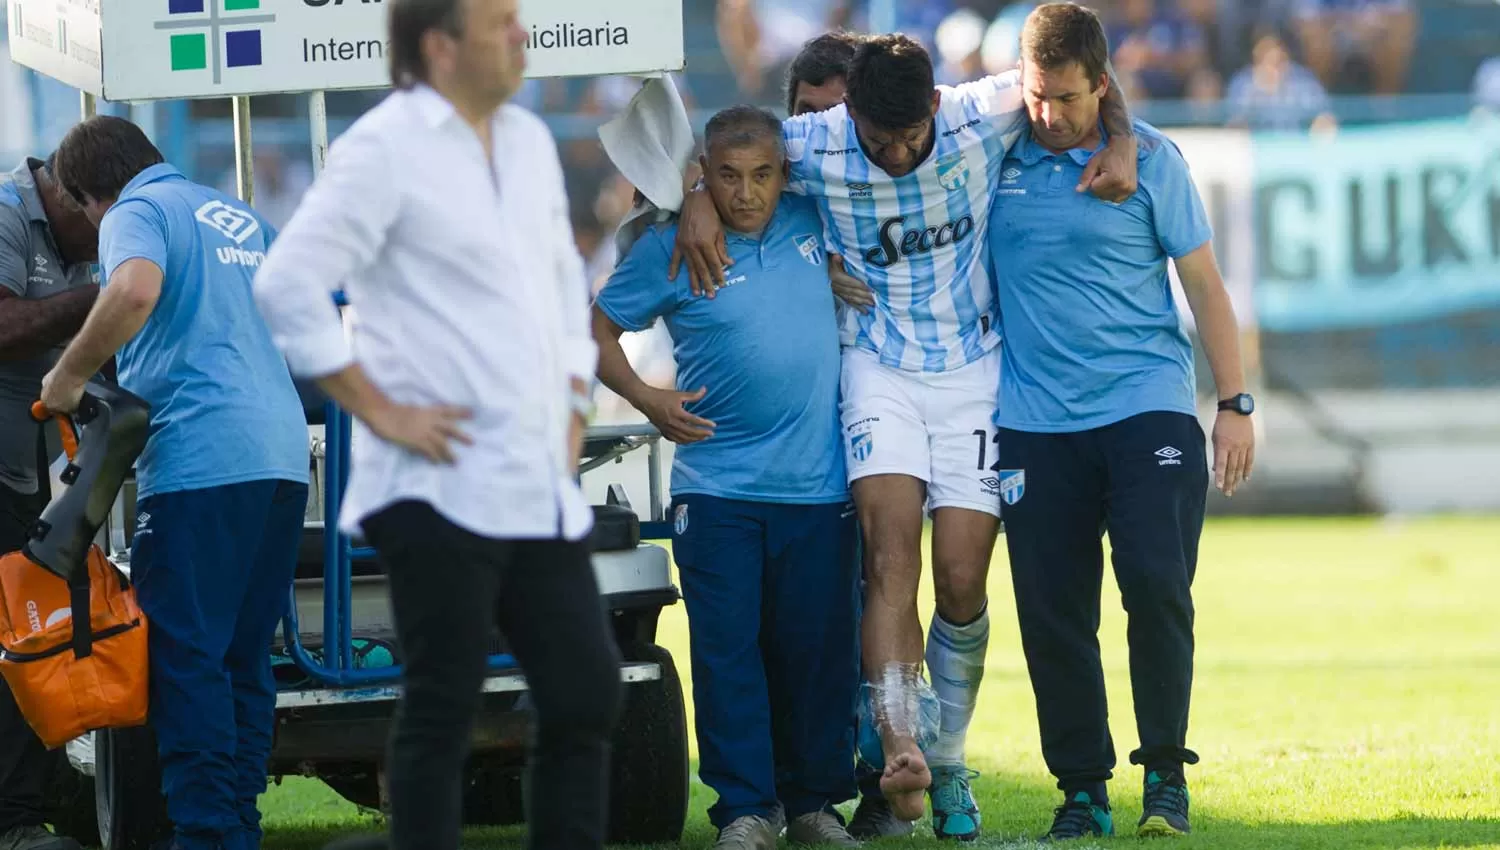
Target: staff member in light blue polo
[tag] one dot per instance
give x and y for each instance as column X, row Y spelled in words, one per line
column 1097, row 419
column 765, row 535
column 222, row 483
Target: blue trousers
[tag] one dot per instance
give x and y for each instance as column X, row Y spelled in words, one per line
column 213, row 569
column 771, row 591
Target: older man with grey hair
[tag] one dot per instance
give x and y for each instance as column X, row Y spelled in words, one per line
column 764, row 532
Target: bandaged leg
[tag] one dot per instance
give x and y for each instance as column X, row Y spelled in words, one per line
column 955, row 658
column 899, row 719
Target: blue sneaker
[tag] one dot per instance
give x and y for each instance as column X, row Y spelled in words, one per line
column 1080, row 818
column 954, row 814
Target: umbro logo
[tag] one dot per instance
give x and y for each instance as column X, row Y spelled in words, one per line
column 235, row 224
column 1169, row 455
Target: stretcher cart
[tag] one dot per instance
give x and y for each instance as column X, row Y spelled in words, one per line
column 336, row 660
column 334, row 708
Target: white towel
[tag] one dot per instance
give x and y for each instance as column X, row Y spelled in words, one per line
column 651, row 143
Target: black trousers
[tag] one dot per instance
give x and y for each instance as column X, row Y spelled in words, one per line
column 25, row 765
column 1145, row 481
column 448, row 588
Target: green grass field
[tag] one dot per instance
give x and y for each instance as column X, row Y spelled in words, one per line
column 1347, row 695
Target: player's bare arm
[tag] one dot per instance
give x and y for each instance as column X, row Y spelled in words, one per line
column 1234, row 433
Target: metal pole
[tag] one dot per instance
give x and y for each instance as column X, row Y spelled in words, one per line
column 88, row 105
column 317, row 114
column 244, row 163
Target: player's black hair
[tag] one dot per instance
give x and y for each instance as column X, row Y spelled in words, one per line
column 99, row 156
column 891, row 81
column 407, row 21
column 742, row 126
column 1056, row 35
column 822, row 59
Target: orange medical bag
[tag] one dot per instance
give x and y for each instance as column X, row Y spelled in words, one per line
column 72, row 637
column 69, row 680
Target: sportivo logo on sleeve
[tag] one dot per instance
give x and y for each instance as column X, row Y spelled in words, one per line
column 235, row 224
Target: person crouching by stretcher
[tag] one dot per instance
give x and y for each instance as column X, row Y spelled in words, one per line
column 222, row 482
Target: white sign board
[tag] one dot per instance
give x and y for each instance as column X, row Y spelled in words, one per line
column 170, row 49
column 59, row 38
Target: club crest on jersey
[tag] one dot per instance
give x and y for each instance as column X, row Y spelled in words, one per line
column 1012, row 485
column 861, row 445
column 811, row 250
column 953, row 172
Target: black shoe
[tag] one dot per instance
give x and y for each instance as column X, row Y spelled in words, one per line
column 1164, row 808
column 1078, row 817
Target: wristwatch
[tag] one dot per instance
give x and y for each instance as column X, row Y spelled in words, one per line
column 1243, row 404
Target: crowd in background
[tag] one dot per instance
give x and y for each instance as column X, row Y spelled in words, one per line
column 1266, row 65
column 1259, row 64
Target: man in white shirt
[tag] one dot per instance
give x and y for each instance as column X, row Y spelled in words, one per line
column 442, row 213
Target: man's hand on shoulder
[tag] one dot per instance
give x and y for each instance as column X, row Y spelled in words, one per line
column 1111, row 174
column 667, row 410
column 700, row 241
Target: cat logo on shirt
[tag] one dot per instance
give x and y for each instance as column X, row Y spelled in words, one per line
column 811, row 250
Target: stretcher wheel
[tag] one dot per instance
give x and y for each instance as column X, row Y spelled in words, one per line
column 648, row 797
column 127, row 789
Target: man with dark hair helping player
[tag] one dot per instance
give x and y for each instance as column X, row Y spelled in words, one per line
column 1098, row 426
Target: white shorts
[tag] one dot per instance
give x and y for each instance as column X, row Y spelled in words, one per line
column 936, row 426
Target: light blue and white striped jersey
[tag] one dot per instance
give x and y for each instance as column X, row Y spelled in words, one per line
column 919, row 241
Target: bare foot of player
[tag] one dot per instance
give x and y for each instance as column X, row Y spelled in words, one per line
column 906, row 780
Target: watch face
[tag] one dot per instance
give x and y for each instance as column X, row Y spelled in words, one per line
column 1245, row 403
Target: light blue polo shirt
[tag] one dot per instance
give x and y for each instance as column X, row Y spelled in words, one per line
column 223, row 406
column 766, row 347
column 1091, row 331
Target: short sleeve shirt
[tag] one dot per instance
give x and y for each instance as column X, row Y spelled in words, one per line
column 31, row 267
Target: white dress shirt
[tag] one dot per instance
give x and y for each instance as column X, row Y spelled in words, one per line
column 466, row 289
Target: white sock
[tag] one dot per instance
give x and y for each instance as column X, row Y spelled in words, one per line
column 955, row 661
